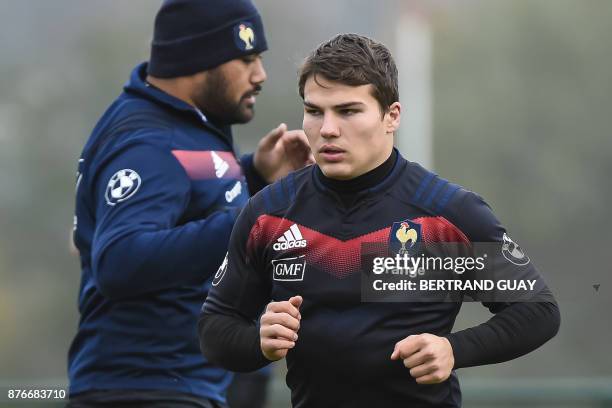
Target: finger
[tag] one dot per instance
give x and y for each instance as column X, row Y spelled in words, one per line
column 278, row 331
column 272, row 137
column 416, row 359
column 277, row 344
column 423, row 369
column 296, row 142
column 296, row 136
column 407, row 347
column 434, row 378
column 296, row 301
column 283, row 307
column 410, row 345
column 397, row 349
column 284, row 319
column 395, row 353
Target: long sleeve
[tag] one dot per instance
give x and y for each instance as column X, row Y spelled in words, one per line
column 138, row 245
column 219, row 333
column 522, row 321
column 240, row 290
column 254, row 179
column 515, row 331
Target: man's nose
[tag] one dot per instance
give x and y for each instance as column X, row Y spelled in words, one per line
column 259, row 73
column 329, row 128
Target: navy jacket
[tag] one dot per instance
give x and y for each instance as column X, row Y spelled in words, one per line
column 158, row 190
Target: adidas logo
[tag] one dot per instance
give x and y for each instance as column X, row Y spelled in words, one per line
column 292, row 238
column 221, row 166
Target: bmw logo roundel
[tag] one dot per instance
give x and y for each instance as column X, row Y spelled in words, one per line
column 512, row 252
column 121, row 186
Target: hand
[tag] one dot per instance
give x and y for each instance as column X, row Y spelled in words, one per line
column 429, row 358
column 279, row 326
column 280, row 152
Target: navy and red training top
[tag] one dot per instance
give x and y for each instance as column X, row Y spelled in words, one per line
column 303, row 236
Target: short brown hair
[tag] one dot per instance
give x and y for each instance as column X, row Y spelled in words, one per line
column 354, row 60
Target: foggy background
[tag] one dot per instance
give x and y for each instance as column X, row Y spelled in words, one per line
column 521, row 114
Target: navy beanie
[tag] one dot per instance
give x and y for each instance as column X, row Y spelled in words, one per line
column 195, row 35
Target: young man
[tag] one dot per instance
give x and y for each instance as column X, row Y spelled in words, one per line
column 159, row 188
column 298, row 243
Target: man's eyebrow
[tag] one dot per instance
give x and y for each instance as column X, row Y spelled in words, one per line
column 339, row 106
column 348, row 104
column 310, row 105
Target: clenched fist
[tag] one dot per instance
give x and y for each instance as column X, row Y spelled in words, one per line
column 279, row 326
column 429, row 358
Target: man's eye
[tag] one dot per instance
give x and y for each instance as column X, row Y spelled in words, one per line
column 349, row 112
column 249, row 59
column 312, row 112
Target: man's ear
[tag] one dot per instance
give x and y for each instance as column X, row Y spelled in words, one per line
column 392, row 117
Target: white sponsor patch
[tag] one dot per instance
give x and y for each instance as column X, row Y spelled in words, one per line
column 513, row 253
column 289, row 269
column 292, row 238
column 121, row 186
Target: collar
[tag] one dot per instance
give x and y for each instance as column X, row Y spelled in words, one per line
column 372, row 182
column 138, row 85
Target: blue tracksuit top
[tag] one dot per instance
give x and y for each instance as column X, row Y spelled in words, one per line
column 158, row 190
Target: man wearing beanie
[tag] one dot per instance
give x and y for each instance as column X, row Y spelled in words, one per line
column 159, row 186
